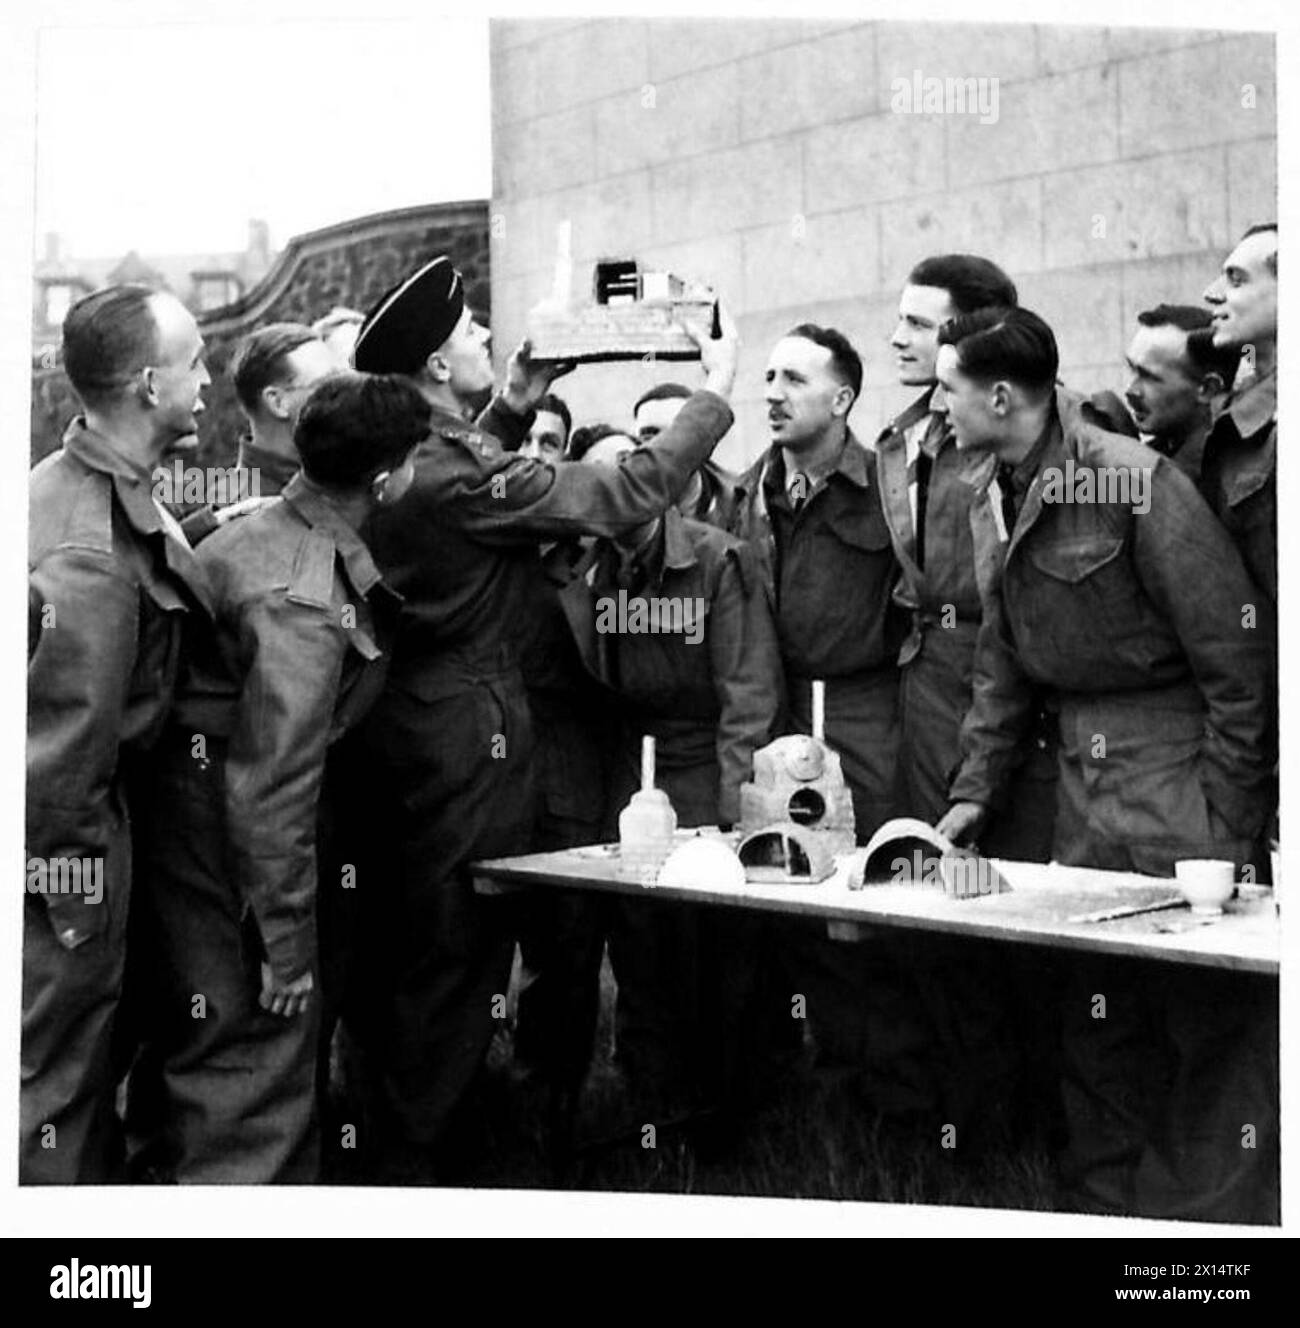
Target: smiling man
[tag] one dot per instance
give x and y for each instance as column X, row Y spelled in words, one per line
column 111, row 579
column 1239, row 471
column 927, row 484
column 548, row 435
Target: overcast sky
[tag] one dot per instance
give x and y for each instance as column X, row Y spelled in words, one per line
column 181, row 132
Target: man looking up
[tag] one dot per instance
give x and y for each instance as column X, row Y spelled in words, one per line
column 549, row 434
column 451, row 742
column 272, row 370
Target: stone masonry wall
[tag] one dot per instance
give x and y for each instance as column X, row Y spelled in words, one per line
column 765, row 157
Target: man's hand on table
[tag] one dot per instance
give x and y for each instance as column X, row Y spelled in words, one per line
column 962, row 821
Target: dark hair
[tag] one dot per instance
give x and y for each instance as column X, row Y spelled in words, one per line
column 108, row 337
column 662, row 392
column 554, row 406
column 1203, row 355
column 354, row 425
column 972, row 282
column 258, row 360
column 1186, row 317
column 846, row 361
column 1207, row 358
column 1014, row 344
column 1259, row 229
column 585, row 437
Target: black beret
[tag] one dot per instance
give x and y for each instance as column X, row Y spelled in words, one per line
column 411, row 320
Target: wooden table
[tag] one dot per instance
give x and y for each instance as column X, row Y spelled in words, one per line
column 1042, row 907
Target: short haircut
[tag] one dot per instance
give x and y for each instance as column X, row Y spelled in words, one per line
column 972, row 282
column 1259, row 229
column 339, row 316
column 1207, row 358
column 353, row 426
column 662, row 392
column 1187, row 317
column 585, row 437
column 846, row 362
column 554, row 406
column 1011, row 344
column 108, row 337
column 1203, row 356
column 258, row 360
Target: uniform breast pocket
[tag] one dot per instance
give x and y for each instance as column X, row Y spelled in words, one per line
column 1083, row 600
column 862, row 530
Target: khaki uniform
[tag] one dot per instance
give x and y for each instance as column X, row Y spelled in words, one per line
column 450, row 746
column 689, row 980
column 231, row 843
column 109, row 587
column 1135, row 620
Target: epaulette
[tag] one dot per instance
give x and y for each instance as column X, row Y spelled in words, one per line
column 88, row 522
column 312, row 582
column 484, row 445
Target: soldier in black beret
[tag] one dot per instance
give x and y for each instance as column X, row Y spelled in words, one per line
column 448, row 752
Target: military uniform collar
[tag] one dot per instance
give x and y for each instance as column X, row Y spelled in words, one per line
column 278, row 469
column 97, row 451
column 1254, row 405
column 320, row 514
column 448, row 423
column 852, row 462
column 132, row 483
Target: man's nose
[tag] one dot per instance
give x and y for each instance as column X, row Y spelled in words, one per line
column 900, row 340
column 1214, row 292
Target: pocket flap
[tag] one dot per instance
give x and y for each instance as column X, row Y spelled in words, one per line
column 1074, row 559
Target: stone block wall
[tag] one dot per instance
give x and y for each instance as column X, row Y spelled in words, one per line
column 765, row 157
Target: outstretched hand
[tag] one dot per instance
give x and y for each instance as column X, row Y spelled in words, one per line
column 529, row 380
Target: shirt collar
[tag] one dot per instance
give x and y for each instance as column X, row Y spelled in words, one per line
column 852, row 462
column 319, row 513
column 933, row 440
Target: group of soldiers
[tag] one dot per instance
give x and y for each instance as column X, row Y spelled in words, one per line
column 289, row 727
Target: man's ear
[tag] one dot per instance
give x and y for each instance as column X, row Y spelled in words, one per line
column 437, row 368
column 843, row 401
column 147, row 387
column 1210, row 386
column 377, row 486
column 273, row 401
column 1001, row 399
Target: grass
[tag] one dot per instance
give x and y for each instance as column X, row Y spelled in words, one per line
column 813, row 1138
